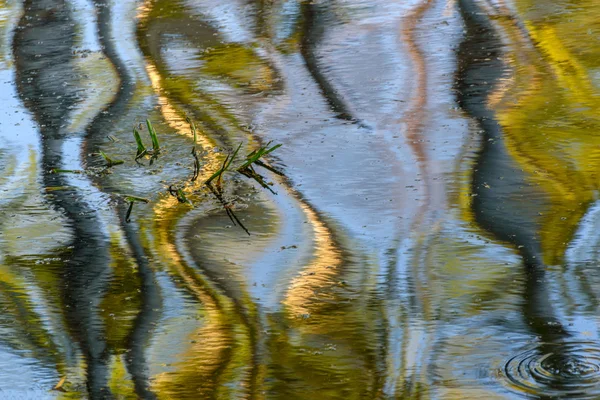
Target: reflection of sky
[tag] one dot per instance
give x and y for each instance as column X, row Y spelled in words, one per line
column 225, row 15
column 180, row 56
column 179, row 319
column 25, row 378
column 85, row 12
column 18, row 132
column 122, row 13
column 287, row 19
column 276, row 266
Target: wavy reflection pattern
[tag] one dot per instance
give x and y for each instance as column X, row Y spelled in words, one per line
column 436, row 222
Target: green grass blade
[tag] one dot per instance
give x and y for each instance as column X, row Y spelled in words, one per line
column 219, row 172
column 256, row 155
column 109, row 161
column 233, row 156
column 271, row 149
column 141, row 149
column 213, row 176
column 153, row 136
column 272, row 169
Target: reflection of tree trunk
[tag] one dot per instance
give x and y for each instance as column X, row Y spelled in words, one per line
column 144, row 323
column 42, row 49
column 508, row 207
column 313, row 27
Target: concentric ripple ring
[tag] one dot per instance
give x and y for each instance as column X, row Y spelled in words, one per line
column 564, row 370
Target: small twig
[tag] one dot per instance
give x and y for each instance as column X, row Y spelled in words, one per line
column 251, row 173
column 196, row 165
column 272, row 169
column 194, row 152
column 109, row 161
column 227, row 207
column 133, row 199
column 59, row 385
column 66, row 171
column 127, row 219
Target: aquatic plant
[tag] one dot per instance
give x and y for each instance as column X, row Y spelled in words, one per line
column 154, row 139
column 214, row 183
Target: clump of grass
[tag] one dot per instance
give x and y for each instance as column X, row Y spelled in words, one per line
column 246, row 169
column 141, row 148
column 132, row 200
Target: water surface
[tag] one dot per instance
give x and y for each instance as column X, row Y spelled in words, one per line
column 434, row 236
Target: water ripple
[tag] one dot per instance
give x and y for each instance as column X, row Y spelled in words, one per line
column 563, row 370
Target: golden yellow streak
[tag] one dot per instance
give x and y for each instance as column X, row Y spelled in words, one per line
column 320, row 273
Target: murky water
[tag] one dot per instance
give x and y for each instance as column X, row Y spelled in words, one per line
column 435, row 235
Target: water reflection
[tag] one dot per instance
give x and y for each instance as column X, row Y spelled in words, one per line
column 434, row 235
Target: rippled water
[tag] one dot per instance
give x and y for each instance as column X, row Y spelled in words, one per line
column 434, row 236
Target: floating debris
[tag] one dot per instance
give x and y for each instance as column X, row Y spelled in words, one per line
column 179, row 194
column 132, row 200
column 59, row 385
column 57, row 188
column 66, row 171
